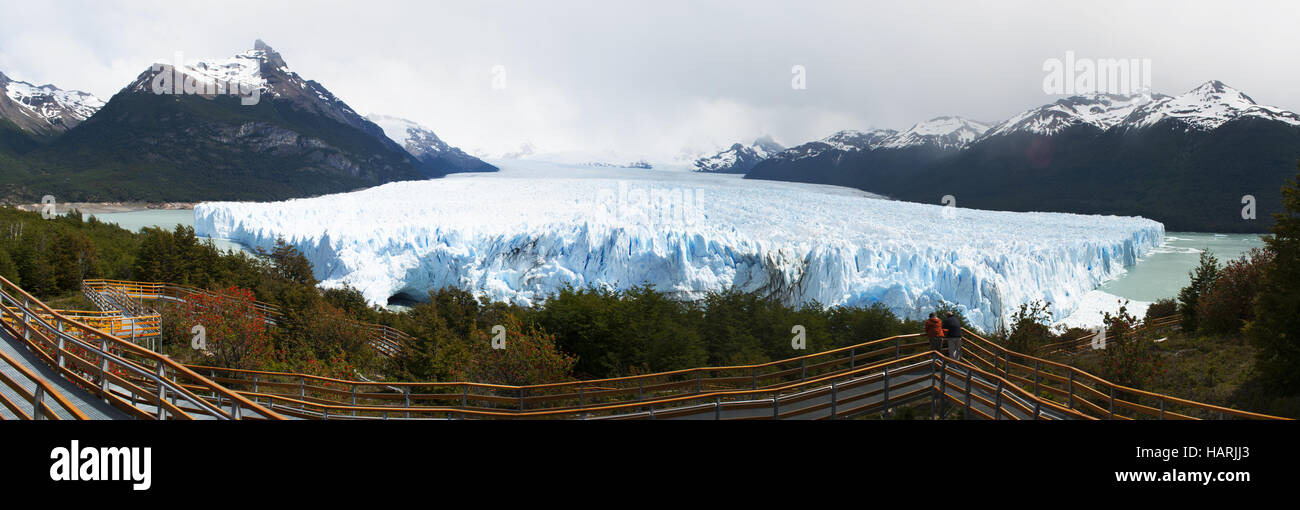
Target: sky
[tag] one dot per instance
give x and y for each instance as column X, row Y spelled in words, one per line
column 665, row 79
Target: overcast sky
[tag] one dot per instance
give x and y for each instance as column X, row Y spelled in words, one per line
column 660, row 77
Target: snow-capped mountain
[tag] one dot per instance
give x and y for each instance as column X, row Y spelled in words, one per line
column 261, row 69
column 1100, row 111
column 242, row 128
column 427, row 147
column 938, row 134
column 1185, row 160
column 845, row 141
column 851, row 140
column 1205, row 108
column 45, row 110
column 941, row 133
column 738, row 158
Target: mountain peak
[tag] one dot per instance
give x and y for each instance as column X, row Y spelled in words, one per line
column 853, row 140
column 267, row 55
column 44, row 109
column 426, row 147
column 1207, row 107
column 944, row 132
column 739, row 158
column 1101, row 111
column 1215, row 90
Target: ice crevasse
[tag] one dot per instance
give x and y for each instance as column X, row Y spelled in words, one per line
column 520, row 239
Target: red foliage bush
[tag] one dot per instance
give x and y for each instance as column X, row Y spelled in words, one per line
column 235, row 331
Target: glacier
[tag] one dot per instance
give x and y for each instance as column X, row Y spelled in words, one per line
column 520, row 234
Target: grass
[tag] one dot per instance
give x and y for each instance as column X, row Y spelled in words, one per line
column 1217, row 370
column 71, row 301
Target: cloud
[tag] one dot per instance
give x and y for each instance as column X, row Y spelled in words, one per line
column 663, row 77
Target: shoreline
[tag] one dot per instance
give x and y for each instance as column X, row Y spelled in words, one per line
column 109, row 207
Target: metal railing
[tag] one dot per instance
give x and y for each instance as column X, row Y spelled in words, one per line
column 39, row 397
column 986, row 374
column 867, row 389
column 1035, row 382
column 1085, row 392
column 1085, row 343
column 137, row 380
column 383, row 339
column 562, row 395
column 118, row 315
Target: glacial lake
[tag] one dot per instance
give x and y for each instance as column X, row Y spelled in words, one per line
column 164, row 218
column 1164, row 271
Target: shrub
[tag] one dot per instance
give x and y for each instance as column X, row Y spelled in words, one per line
column 1128, row 359
column 1228, row 304
column 235, row 331
column 530, row 356
column 1160, row 308
column 1029, row 327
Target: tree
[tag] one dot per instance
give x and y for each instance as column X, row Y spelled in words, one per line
column 1277, row 305
column 1127, row 359
column 1228, row 304
column 331, row 345
column 74, row 258
column 1029, row 327
column 1160, row 308
column 529, row 356
column 8, row 269
column 1207, row 269
column 291, row 264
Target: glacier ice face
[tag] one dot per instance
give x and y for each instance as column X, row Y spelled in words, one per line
column 520, row 234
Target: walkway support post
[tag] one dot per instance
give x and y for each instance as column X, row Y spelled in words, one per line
column 833, row 402
column 943, row 386
column 965, row 412
column 997, row 403
column 885, row 403
column 103, row 366
column 162, row 392
column 1036, row 362
column 60, row 334
column 38, row 399
column 1071, row 400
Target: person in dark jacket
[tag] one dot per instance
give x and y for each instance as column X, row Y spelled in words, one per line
column 952, row 327
column 934, row 330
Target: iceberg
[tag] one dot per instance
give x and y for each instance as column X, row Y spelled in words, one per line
column 521, row 234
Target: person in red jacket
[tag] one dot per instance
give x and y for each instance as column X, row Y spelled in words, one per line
column 934, row 330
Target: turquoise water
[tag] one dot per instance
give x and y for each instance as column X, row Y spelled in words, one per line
column 1164, row 271
column 164, row 218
